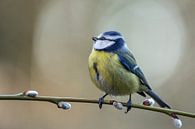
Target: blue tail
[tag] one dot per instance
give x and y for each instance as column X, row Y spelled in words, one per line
column 160, row 102
column 157, row 99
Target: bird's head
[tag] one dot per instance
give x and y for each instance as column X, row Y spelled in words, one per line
column 108, row 41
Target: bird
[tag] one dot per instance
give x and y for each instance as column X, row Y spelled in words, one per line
column 114, row 70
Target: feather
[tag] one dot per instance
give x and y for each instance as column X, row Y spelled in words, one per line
column 128, row 61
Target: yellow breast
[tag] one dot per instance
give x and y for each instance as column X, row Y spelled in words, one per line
column 110, row 76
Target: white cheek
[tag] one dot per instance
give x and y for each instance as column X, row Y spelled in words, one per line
column 101, row 44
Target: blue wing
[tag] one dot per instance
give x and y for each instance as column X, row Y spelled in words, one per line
column 127, row 59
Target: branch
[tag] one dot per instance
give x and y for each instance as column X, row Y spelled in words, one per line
column 33, row 96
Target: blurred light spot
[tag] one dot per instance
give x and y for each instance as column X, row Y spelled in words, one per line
column 154, row 32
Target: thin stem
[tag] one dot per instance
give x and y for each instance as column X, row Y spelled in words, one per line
column 56, row 100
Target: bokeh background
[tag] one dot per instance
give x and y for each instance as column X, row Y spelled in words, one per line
column 45, row 44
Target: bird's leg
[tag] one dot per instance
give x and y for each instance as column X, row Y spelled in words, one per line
column 101, row 100
column 129, row 104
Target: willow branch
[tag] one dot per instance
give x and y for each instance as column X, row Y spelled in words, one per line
column 56, row 100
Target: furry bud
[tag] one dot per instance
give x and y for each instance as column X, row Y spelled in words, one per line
column 149, row 102
column 177, row 122
column 64, row 105
column 31, row 93
column 117, row 105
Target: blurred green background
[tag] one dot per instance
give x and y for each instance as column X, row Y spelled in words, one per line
column 45, row 44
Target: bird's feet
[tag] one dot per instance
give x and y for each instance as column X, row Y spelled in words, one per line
column 129, row 105
column 101, row 101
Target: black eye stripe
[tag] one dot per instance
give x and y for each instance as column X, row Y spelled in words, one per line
column 110, row 40
column 103, row 38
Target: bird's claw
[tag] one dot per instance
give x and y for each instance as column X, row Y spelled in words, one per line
column 100, row 102
column 129, row 105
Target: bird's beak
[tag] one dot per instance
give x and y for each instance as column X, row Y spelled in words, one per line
column 94, row 38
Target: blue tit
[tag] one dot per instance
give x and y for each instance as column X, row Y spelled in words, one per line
column 113, row 69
